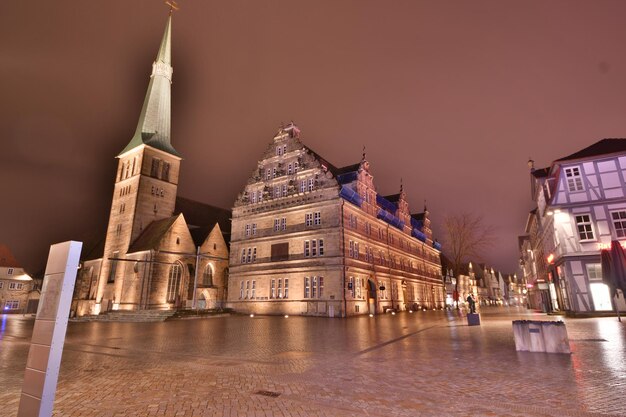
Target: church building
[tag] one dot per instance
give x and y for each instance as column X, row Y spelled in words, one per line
column 312, row 239
column 160, row 251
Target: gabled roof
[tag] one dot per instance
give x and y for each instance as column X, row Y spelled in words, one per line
column 418, row 216
column 541, row 173
column 393, row 198
column 6, row 257
column 201, row 218
column 603, row 147
column 152, row 235
column 333, row 169
column 347, row 168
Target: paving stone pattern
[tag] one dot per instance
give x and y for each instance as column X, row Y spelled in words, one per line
column 421, row 364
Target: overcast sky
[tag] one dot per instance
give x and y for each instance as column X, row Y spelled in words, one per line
column 452, row 96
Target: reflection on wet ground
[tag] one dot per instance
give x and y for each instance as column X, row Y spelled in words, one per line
column 425, row 363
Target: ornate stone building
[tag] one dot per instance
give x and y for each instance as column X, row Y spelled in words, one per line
column 160, row 251
column 309, row 238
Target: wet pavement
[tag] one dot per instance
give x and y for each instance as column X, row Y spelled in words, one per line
column 421, row 364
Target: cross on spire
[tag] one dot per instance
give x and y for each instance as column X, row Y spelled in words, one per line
column 173, row 5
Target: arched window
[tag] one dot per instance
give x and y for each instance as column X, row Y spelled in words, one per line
column 173, row 282
column 207, row 279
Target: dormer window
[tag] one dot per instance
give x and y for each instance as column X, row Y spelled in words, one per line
column 574, row 179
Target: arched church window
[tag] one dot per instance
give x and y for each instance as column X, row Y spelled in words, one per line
column 173, row 282
column 207, row 279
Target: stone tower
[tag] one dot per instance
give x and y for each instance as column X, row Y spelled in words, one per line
column 145, row 183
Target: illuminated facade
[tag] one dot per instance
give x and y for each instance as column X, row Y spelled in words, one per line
column 17, row 289
column 309, row 238
column 160, row 251
column 581, row 207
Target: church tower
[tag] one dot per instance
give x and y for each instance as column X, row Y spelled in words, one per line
column 146, row 180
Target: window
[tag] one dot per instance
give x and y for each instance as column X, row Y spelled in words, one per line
column 367, row 254
column 253, row 229
column 1, row 284
column 12, row 305
column 247, row 230
column 165, row 174
column 280, row 288
column 241, row 290
column 247, row 289
column 583, row 225
column 283, row 223
column 290, row 168
column 307, row 287
column 359, row 285
column 273, row 288
column 286, row 295
column 253, row 290
column 274, row 172
column 351, row 249
column 113, row 269
column 619, row 223
column 352, row 221
column 268, row 174
column 154, row 170
column 276, row 225
column 302, row 186
column 173, row 283
column 310, row 184
column 279, row 151
column 356, row 250
column 15, row 285
column 10, row 271
column 207, row 278
column 295, row 167
column 284, row 149
column 284, row 190
column 118, row 230
column 574, row 179
column 351, row 286
column 276, row 191
column 248, row 255
column 313, row 287
column 253, row 198
column 314, row 247
column 594, row 272
column 317, row 217
column 308, row 219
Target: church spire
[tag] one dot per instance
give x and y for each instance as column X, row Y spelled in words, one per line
column 153, row 128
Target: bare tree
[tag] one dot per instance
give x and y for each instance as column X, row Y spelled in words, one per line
column 466, row 237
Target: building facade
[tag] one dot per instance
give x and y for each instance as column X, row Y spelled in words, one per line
column 18, row 293
column 581, row 207
column 160, row 251
column 309, row 238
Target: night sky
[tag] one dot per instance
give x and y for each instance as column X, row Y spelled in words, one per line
column 452, row 96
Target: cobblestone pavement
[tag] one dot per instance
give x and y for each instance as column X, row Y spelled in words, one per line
column 421, row 364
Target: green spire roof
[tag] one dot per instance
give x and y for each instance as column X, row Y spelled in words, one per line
column 153, row 128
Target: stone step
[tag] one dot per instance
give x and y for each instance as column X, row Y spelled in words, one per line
column 129, row 316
